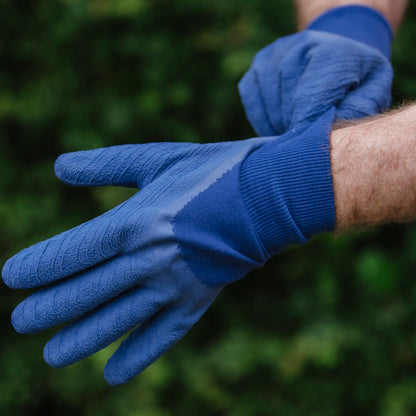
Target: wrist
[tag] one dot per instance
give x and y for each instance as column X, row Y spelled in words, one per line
column 392, row 10
column 295, row 198
column 357, row 22
column 374, row 170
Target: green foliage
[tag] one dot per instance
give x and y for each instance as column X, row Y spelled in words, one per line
column 325, row 329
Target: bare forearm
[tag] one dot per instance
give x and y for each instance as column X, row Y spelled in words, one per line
column 307, row 10
column 374, row 170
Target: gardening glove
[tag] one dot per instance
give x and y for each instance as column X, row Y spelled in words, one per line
column 205, row 215
column 341, row 60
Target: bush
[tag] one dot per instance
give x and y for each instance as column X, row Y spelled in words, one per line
column 325, row 329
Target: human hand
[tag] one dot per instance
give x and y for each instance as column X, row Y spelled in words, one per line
column 340, row 61
column 155, row 263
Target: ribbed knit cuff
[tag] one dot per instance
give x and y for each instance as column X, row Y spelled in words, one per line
column 287, row 187
column 361, row 23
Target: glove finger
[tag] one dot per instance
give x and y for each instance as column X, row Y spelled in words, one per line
column 253, row 102
column 147, row 343
column 369, row 97
column 312, row 98
column 127, row 165
column 102, row 326
column 69, row 252
column 74, row 297
column 260, row 88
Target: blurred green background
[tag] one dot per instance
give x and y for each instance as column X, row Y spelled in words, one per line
column 325, row 329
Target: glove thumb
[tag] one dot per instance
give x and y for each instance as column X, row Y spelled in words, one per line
column 133, row 165
column 116, row 165
column 98, row 167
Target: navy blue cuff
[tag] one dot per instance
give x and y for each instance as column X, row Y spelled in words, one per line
column 287, row 187
column 361, row 23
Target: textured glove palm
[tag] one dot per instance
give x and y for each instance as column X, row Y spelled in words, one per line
column 200, row 221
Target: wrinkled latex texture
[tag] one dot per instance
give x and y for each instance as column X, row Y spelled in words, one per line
column 294, row 80
column 125, row 270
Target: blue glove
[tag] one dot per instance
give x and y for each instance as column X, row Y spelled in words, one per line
column 341, row 60
column 205, row 215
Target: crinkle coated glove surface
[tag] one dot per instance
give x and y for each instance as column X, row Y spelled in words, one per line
column 205, row 215
column 341, row 60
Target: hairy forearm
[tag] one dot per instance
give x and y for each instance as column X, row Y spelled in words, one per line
column 307, row 10
column 374, row 170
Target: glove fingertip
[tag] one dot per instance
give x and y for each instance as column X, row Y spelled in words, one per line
column 9, row 275
column 18, row 320
column 114, row 378
column 25, row 318
column 66, row 167
column 51, row 355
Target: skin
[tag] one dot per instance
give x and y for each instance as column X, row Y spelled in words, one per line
column 373, row 160
column 307, row 10
column 374, row 170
